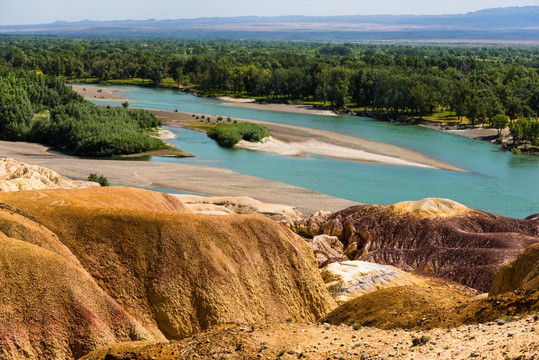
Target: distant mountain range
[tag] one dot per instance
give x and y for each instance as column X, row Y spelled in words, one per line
column 511, row 24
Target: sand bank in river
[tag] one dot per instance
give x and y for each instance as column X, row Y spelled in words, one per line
column 479, row 132
column 102, row 93
column 316, row 147
column 291, row 140
column 184, row 177
column 290, row 108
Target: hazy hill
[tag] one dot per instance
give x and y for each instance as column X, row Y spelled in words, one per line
column 512, row 24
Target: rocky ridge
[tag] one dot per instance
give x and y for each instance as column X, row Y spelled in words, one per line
column 17, row 176
column 103, row 265
column 434, row 236
column 521, row 273
column 347, row 280
column 230, row 205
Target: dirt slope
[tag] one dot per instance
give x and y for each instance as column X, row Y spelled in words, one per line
column 436, row 236
column 521, row 273
column 287, row 341
column 50, row 307
column 176, row 273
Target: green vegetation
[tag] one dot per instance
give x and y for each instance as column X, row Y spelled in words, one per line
column 447, row 83
column 525, row 130
column 500, row 122
column 420, row 341
column 228, row 135
column 476, row 82
column 66, row 121
column 101, row 180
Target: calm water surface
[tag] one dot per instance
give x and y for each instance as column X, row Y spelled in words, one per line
column 497, row 181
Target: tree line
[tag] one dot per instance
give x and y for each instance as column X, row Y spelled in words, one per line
column 43, row 109
column 477, row 82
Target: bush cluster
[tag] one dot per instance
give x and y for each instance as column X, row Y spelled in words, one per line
column 228, row 135
column 101, row 180
column 74, row 126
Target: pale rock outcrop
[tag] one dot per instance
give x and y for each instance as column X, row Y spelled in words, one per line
column 350, row 279
column 17, row 176
column 230, row 205
column 327, row 249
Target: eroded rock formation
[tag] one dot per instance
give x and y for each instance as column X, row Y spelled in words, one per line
column 327, row 249
column 50, row 307
column 92, row 256
column 17, row 176
column 349, row 279
column 436, row 236
column 230, row 205
column 521, row 273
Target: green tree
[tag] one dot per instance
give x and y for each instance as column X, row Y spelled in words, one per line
column 338, row 85
column 499, row 122
column 516, row 130
column 423, row 99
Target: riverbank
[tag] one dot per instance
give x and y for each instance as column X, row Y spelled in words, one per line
column 107, row 93
column 478, row 133
column 291, row 140
column 101, row 93
column 196, row 179
column 297, row 141
column 290, row 108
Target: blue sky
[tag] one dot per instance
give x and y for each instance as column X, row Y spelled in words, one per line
column 14, row 12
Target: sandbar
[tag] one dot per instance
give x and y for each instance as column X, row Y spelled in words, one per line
column 197, row 179
column 102, row 93
column 297, row 141
column 290, row 108
column 479, row 132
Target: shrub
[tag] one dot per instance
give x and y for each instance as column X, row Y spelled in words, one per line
column 101, row 180
column 420, row 341
column 228, row 135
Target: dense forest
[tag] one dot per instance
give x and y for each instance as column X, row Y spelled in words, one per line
column 475, row 82
column 43, row 109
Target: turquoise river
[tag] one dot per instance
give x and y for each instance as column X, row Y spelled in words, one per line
column 496, row 181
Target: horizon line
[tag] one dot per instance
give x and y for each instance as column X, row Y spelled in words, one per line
column 264, row 16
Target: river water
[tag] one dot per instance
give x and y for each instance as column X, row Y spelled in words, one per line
column 496, row 181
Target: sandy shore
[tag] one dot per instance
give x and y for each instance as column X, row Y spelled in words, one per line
column 102, row 93
column 115, row 95
column 184, row 177
column 291, row 140
column 236, row 100
column 470, row 133
column 163, row 134
column 290, row 108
